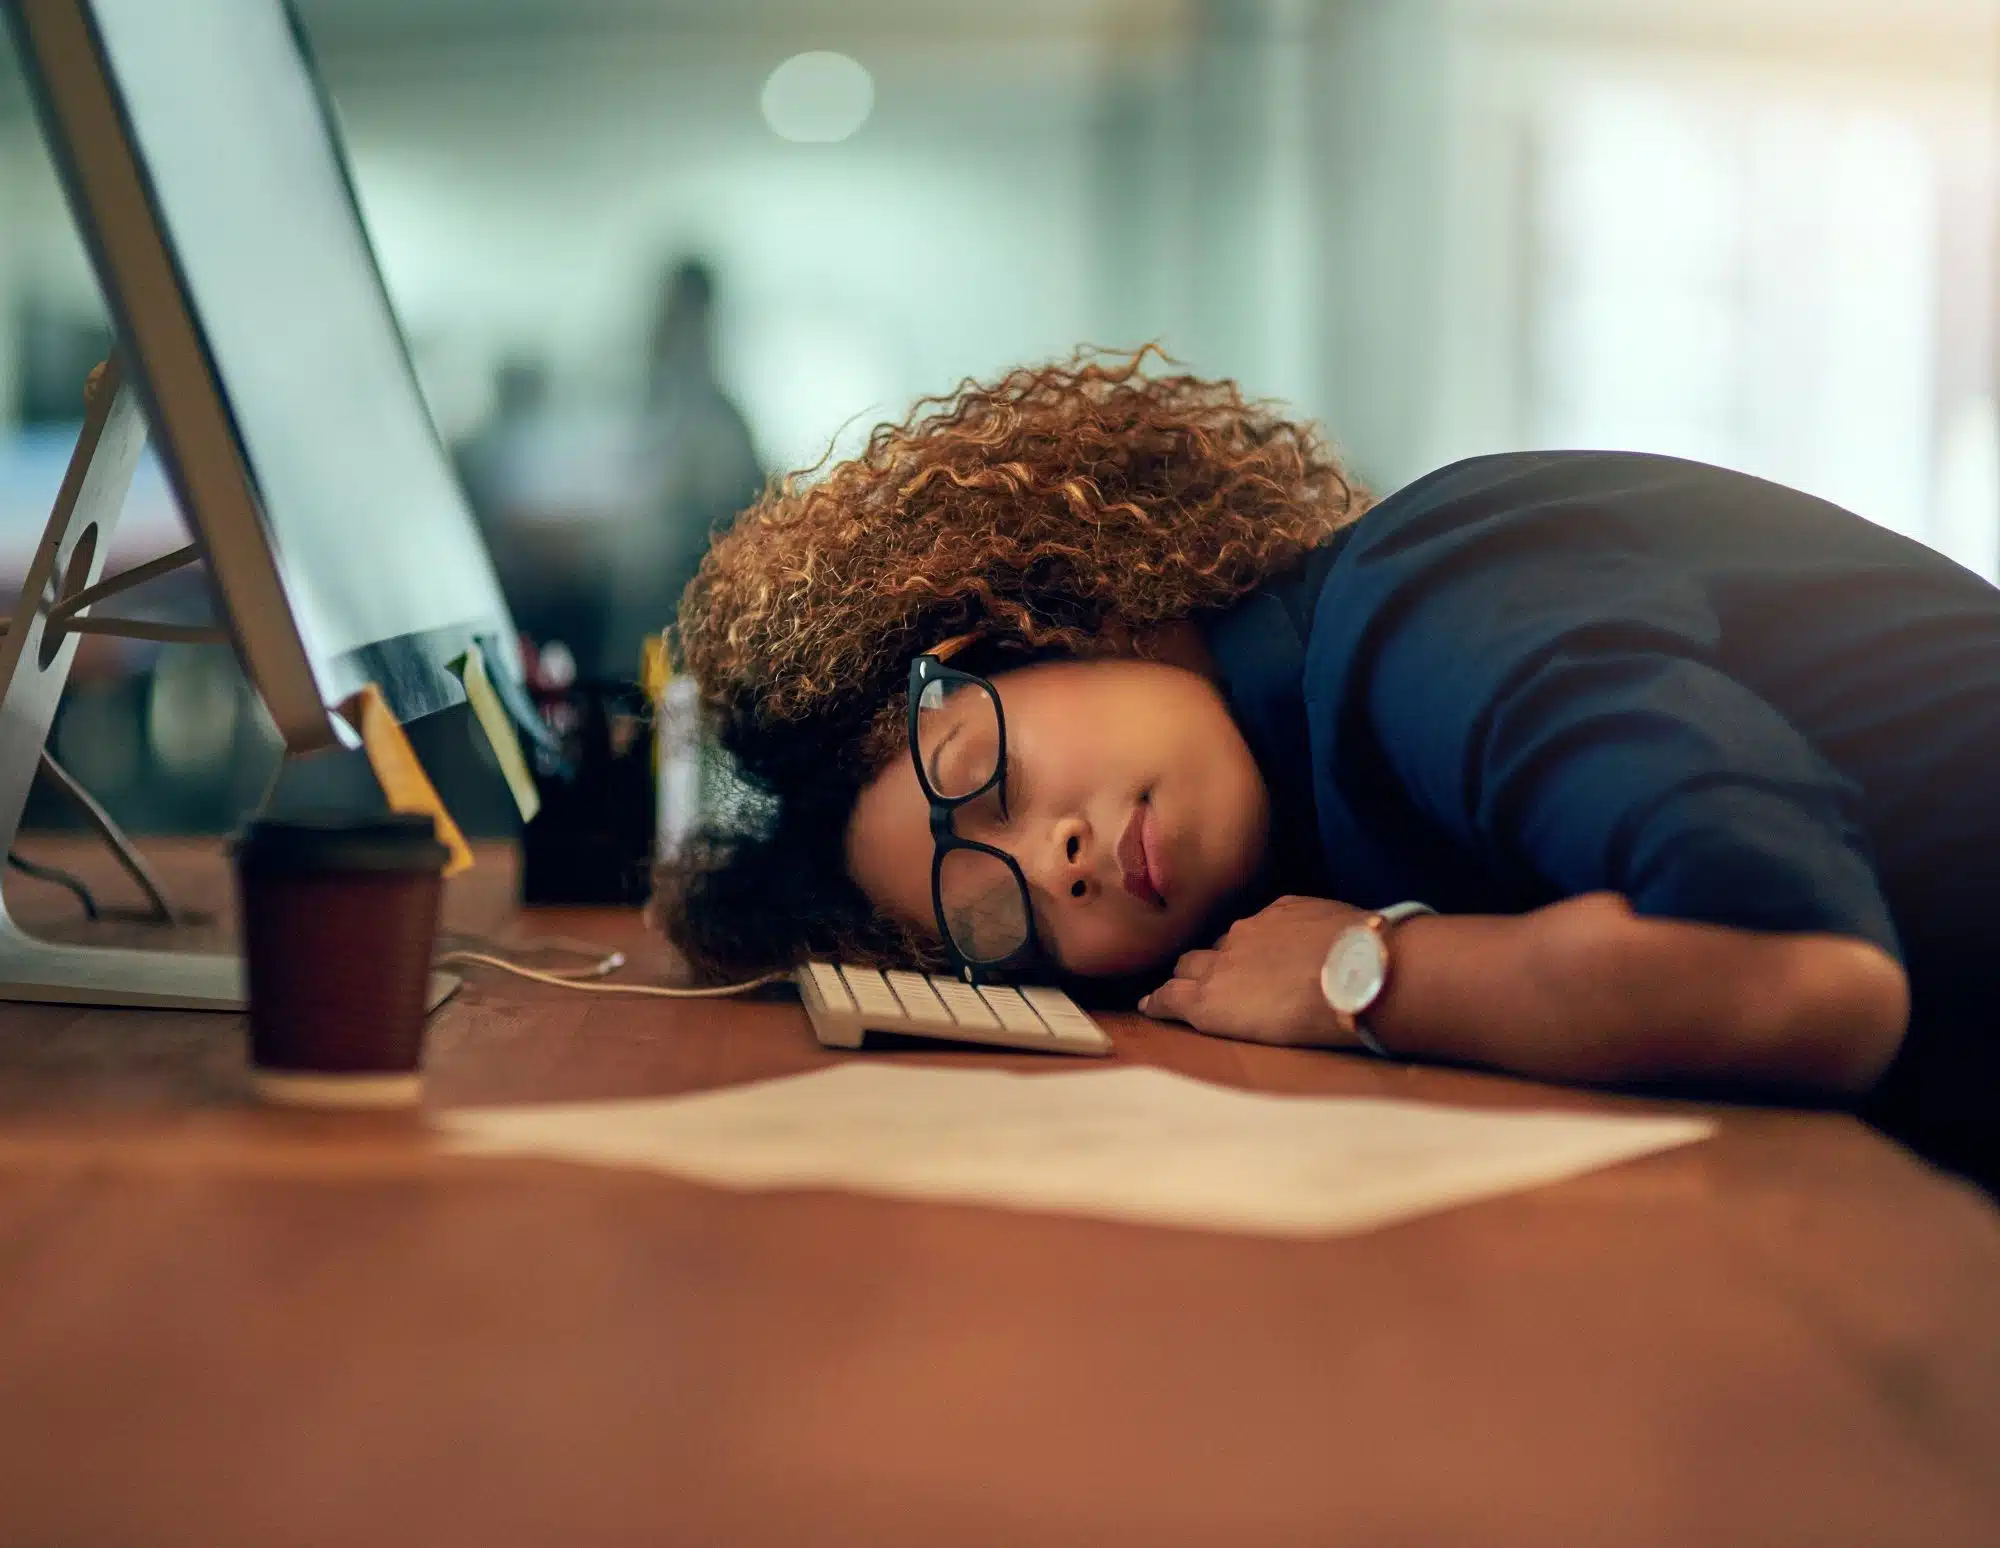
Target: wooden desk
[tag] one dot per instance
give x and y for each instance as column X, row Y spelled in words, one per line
column 221, row 1325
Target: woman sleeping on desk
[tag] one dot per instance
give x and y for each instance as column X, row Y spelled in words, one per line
column 1595, row 767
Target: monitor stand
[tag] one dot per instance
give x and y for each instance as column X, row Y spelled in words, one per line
column 36, row 652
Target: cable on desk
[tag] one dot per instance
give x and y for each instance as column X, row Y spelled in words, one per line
column 603, row 960
column 581, row 981
column 107, row 829
column 60, row 878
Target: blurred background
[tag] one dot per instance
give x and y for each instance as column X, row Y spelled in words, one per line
column 648, row 251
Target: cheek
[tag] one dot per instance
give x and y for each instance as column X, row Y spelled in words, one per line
column 889, row 850
column 1243, row 823
column 1099, row 947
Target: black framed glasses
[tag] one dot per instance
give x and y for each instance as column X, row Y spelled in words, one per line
column 984, row 913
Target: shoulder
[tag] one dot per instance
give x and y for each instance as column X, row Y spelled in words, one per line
column 1544, row 526
column 1583, row 490
column 1458, row 579
column 1586, row 494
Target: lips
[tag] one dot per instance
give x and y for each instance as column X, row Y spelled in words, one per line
column 1139, row 857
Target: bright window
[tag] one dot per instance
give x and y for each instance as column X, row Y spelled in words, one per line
column 1756, row 282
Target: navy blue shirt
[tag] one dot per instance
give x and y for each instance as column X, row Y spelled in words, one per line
column 1530, row 676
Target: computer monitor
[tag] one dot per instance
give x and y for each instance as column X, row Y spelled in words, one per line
column 204, row 170
column 206, row 176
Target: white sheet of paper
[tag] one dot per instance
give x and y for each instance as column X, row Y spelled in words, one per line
column 1132, row 1144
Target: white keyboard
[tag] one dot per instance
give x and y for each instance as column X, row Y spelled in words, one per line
column 845, row 1002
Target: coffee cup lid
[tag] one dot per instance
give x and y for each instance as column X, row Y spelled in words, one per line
column 388, row 841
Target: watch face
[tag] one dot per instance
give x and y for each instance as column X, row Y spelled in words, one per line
column 1354, row 971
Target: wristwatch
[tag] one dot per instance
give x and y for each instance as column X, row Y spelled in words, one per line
column 1356, row 971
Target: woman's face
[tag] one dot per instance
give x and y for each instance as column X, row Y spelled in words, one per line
column 1132, row 806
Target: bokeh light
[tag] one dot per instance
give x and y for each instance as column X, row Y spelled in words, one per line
column 818, row 98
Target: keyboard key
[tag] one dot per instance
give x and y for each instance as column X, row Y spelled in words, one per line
column 1015, row 1014
column 920, row 1001
column 1058, row 1009
column 826, row 979
column 871, row 993
column 967, row 1009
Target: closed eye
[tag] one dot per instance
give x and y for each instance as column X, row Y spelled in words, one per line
column 994, row 809
column 1012, row 793
column 937, row 758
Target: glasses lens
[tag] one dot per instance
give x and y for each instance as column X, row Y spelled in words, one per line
column 985, row 910
column 958, row 730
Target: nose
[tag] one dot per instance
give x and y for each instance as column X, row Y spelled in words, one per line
column 1070, row 867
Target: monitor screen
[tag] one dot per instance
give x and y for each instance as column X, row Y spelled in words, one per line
column 380, row 561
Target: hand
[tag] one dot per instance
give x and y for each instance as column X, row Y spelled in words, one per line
column 1261, row 982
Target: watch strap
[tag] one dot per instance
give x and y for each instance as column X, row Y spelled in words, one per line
column 1369, row 1040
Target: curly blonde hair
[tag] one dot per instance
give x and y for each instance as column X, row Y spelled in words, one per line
column 1064, row 509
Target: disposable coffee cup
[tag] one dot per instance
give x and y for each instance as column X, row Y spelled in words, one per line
column 339, row 922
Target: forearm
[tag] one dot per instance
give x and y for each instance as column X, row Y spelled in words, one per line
column 1586, row 991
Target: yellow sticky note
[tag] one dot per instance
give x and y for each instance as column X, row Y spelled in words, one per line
column 656, row 667
column 397, row 770
column 656, row 670
column 499, row 728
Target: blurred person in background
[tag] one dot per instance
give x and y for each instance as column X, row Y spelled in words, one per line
column 698, row 466
column 554, row 585
column 486, row 456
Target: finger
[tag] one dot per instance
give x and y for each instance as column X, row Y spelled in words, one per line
column 1175, row 1000
column 1196, row 965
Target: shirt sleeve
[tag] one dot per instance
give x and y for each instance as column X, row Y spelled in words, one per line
column 1549, row 694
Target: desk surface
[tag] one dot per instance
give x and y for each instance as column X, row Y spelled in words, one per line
column 224, row 1325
